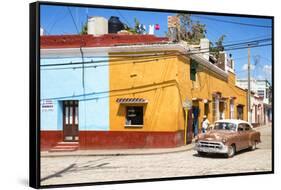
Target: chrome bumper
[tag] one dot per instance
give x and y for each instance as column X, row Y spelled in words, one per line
column 211, row 147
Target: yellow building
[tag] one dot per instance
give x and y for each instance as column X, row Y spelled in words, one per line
column 149, row 85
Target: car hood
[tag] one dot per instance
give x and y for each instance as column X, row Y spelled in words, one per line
column 216, row 135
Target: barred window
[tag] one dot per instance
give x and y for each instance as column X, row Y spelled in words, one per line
column 134, row 115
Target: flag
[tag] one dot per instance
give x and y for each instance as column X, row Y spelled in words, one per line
column 157, row 27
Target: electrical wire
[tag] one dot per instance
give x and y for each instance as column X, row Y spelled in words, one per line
column 81, row 51
column 106, row 65
column 233, row 22
column 73, row 20
column 238, row 45
column 56, row 21
column 129, row 25
column 184, row 54
column 247, row 39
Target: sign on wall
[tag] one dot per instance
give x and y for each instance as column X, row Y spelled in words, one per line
column 47, row 105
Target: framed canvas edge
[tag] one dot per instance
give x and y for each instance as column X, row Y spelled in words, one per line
column 34, row 95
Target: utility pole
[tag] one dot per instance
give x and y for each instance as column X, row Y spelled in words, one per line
column 249, row 87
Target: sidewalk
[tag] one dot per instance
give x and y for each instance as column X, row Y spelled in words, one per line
column 127, row 152
column 120, row 152
column 263, row 126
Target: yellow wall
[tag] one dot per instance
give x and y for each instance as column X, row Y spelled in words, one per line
column 206, row 84
column 165, row 82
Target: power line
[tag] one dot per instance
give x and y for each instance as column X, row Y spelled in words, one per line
column 245, row 43
column 227, row 46
column 233, row 22
column 247, row 39
column 73, row 20
column 55, row 22
column 234, row 46
column 106, row 60
column 124, row 19
column 245, row 57
column 264, row 58
column 81, row 51
column 231, row 41
column 262, row 45
column 102, row 61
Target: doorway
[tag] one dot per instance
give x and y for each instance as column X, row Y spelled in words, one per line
column 70, row 120
column 240, row 112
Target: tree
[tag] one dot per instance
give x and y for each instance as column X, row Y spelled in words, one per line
column 136, row 29
column 219, row 43
column 219, row 46
column 191, row 31
column 84, row 29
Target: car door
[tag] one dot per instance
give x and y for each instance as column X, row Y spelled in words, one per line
column 242, row 137
column 248, row 133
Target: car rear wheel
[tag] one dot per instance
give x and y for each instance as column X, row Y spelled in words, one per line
column 231, row 151
column 254, row 145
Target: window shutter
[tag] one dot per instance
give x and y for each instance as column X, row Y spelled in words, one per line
column 193, row 68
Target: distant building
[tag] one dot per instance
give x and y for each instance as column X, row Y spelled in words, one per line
column 262, row 93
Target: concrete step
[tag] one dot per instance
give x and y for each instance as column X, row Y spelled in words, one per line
column 65, row 147
column 67, row 143
column 63, row 150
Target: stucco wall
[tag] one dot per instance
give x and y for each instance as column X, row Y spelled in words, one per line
column 60, row 83
column 165, row 83
column 152, row 78
column 205, row 85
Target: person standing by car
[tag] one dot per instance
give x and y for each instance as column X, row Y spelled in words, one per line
column 205, row 124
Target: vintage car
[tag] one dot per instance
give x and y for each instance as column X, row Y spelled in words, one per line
column 227, row 137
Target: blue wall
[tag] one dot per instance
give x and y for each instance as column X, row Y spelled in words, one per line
column 60, row 83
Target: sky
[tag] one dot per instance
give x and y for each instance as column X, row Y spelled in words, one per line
column 57, row 20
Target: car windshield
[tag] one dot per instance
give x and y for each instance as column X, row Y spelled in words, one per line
column 225, row 126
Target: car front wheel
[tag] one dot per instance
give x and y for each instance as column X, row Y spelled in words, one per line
column 201, row 153
column 231, row 151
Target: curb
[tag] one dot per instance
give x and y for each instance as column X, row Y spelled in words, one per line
column 118, row 154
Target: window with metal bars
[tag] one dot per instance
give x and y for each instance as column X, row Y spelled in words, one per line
column 134, row 115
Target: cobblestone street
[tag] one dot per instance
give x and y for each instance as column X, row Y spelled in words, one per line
column 82, row 169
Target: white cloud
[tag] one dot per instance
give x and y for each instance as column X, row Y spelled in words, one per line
column 260, row 77
column 267, row 69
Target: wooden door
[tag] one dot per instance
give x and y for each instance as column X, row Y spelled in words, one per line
column 70, row 120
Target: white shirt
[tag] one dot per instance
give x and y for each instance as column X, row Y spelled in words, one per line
column 205, row 124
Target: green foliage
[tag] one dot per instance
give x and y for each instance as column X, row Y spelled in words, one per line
column 84, row 29
column 135, row 29
column 219, row 46
column 191, row 31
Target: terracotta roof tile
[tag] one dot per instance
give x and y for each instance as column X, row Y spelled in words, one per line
column 75, row 41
